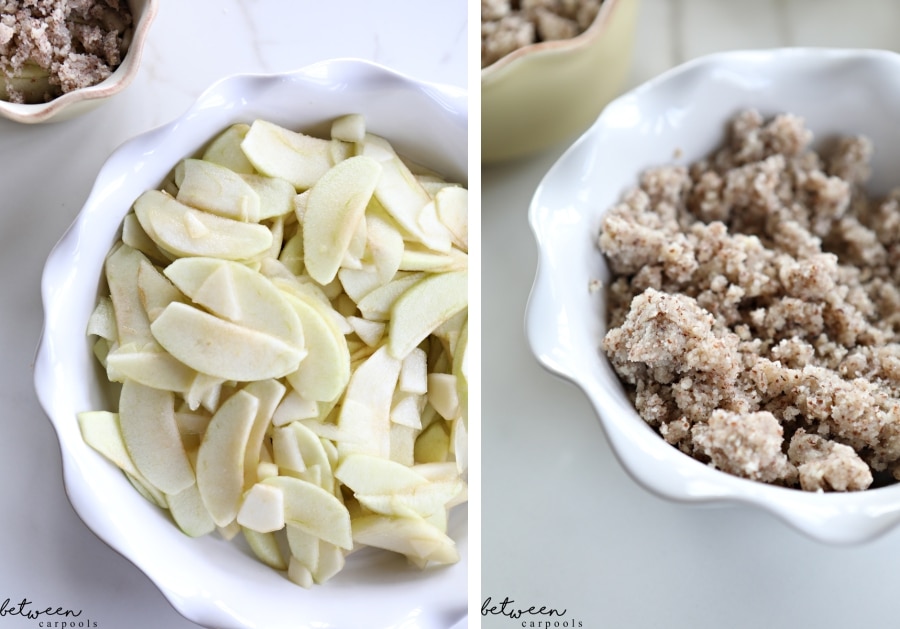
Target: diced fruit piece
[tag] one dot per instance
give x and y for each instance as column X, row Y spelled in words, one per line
column 262, row 509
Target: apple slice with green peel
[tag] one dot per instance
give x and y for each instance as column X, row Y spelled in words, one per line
column 150, row 433
column 132, row 324
column 225, row 149
column 278, row 152
column 149, row 365
column 314, row 510
column 336, row 204
column 367, row 474
column 186, row 231
column 239, row 294
column 262, row 509
column 213, row 188
column 222, row 349
column 266, row 548
column 452, row 206
column 276, row 195
column 220, row 459
column 325, row 372
column 189, row 512
column 408, row 535
column 423, row 307
column 377, row 305
column 366, row 407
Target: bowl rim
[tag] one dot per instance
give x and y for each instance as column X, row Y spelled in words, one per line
column 834, row 518
column 121, row 78
column 451, row 100
column 596, row 28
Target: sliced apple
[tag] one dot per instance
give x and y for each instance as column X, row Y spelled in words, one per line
column 279, row 152
column 266, row 548
column 132, row 324
column 155, row 290
column 220, row 459
column 452, row 207
column 262, row 509
column 208, row 186
column 336, row 204
column 189, row 512
column 149, row 365
column 366, row 408
column 276, row 195
column 377, row 305
column 368, row 474
column 423, row 307
column 223, row 349
column 349, row 128
column 186, row 231
column 408, row 535
column 150, row 433
column 101, row 431
column 314, row 510
column 225, row 149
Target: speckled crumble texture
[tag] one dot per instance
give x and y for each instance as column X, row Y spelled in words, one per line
column 507, row 25
column 73, row 43
column 754, row 311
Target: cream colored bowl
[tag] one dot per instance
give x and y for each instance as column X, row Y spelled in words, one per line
column 85, row 99
column 547, row 92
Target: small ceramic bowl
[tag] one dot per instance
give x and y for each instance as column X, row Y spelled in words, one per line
column 210, row 581
column 84, row 99
column 684, row 112
column 551, row 91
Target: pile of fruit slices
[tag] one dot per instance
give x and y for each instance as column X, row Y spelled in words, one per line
column 287, row 325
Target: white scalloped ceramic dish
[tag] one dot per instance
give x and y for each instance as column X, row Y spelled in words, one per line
column 85, row 99
column 685, row 110
column 210, row 581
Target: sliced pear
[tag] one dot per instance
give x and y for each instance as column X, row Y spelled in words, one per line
column 314, row 510
column 150, row 433
column 223, row 349
column 220, row 459
column 208, row 186
column 278, row 152
column 336, row 204
column 186, row 231
column 425, row 306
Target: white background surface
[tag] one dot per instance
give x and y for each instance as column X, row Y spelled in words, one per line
column 46, row 554
column 563, row 526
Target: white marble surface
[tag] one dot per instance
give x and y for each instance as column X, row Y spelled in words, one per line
column 563, row 526
column 48, row 556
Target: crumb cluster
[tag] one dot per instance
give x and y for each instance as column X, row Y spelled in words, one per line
column 754, row 310
column 62, row 45
column 507, row 25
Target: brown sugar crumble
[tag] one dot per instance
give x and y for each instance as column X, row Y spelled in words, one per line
column 51, row 47
column 507, row 25
column 754, row 308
